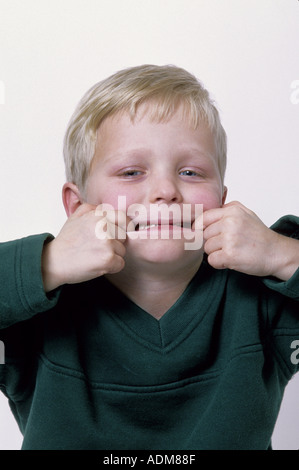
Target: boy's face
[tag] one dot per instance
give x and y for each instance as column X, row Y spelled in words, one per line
column 153, row 163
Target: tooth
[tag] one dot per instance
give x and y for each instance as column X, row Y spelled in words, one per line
column 145, row 227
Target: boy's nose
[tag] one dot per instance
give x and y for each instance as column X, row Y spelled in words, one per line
column 164, row 190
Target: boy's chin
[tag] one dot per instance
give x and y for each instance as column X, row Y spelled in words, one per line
column 166, row 252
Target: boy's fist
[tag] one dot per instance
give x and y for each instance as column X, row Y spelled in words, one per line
column 235, row 238
column 90, row 244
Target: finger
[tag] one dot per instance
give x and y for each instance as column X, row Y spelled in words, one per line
column 213, row 244
column 117, row 252
column 118, row 224
column 114, row 231
column 237, row 204
column 198, row 223
column 119, row 248
column 106, row 230
column 131, row 226
column 208, row 217
column 112, row 223
column 216, row 260
column 116, row 217
column 117, row 264
column 212, row 215
column 233, row 203
column 212, row 230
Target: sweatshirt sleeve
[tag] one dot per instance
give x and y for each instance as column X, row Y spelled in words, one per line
column 283, row 308
column 287, row 226
column 21, row 288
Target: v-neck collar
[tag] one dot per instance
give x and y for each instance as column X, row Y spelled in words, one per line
column 176, row 323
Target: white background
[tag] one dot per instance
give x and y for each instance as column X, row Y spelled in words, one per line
column 245, row 51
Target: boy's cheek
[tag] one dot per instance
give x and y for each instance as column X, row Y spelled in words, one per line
column 121, row 201
column 209, row 201
column 106, row 196
column 210, row 195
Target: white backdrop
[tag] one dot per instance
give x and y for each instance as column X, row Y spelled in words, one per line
column 245, row 51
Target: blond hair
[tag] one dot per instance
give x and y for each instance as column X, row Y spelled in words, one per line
column 165, row 87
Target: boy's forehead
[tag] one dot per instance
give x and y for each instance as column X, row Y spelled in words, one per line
column 157, row 112
column 120, row 138
column 122, row 126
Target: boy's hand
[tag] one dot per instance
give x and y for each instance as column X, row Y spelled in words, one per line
column 77, row 254
column 235, row 238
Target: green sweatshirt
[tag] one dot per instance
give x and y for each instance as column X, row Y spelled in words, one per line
column 86, row 368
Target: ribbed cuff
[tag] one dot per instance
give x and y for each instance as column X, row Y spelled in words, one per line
column 288, row 226
column 22, row 293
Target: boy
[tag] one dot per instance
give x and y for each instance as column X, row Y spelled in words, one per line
column 117, row 336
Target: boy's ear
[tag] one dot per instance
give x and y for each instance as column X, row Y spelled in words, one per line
column 71, row 198
column 224, row 195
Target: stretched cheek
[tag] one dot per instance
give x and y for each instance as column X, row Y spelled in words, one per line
column 120, row 200
column 210, row 200
column 211, row 203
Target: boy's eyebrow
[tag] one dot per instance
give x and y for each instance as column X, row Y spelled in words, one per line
column 196, row 151
column 119, row 156
column 131, row 152
column 134, row 152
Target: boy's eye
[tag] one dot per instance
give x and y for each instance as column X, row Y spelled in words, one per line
column 130, row 173
column 189, row 173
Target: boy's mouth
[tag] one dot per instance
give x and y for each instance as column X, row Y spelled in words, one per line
column 147, row 225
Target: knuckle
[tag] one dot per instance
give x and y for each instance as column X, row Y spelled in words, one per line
column 231, row 220
column 108, row 254
column 207, row 248
column 229, row 252
column 122, row 249
column 216, row 260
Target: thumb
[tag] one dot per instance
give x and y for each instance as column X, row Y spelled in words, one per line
column 198, row 223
